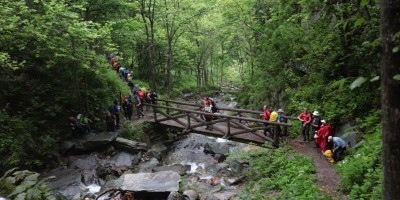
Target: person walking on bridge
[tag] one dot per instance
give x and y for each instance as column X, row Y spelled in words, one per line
column 305, row 119
column 208, row 109
column 266, row 115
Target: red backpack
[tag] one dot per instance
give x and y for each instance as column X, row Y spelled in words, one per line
column 140, row 93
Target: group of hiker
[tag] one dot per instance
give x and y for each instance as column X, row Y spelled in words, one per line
column 135, row 100
column 80, row 125
column 272, row 116
column 332, row 147
column 123, row 72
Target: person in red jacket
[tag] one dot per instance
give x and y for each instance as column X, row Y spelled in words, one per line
column 305, row 119
column 323, row 133
column 266, row 114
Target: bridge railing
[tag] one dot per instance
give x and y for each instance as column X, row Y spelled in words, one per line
column 237, row 111
column 230, row 120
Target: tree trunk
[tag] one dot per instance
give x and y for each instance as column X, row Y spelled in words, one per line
column 390, row 25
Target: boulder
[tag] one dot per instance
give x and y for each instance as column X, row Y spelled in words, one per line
column 178, row 168
column 216, row 148
column 175, row 196
column 214, row 181
column 191, row 194
column 67, row 182
column 85, row 162
column 129, row 145
column 149, row 165
column 123, row 159
column 158, row 150
column 88, row 143
column 166, row 181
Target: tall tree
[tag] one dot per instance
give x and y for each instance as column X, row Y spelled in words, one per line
column 390, row 34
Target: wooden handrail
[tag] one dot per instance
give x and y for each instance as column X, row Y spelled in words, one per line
column 221, row 108
column 219, row 115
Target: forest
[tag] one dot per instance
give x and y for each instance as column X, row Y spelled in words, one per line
column 291, row 54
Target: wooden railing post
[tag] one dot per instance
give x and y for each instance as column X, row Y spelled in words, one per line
column 167, row 105
column 188, row 121
column 155, row 113
column 276, row 135
column 228, row 128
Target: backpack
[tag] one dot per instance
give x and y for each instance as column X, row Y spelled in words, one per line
column 141, row 94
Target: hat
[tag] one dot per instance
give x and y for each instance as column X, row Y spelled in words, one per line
column 280, row 110
column 323, row 121
column 329, row 138
column 316, row 113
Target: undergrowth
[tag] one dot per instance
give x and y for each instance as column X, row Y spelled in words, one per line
column 278, row 174
column 362, row 171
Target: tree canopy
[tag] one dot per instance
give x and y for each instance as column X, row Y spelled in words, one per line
column 323, row 55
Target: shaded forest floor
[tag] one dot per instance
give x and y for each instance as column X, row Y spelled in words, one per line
column 327, row 177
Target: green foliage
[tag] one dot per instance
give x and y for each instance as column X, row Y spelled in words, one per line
column 52, row 68
column 282, row 173
column 131, row 131
column 362, row 172
column 22, row 185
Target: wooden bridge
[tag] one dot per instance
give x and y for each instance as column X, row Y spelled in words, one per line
column 237, row 126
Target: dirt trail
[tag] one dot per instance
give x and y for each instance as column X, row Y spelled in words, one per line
column 327, row 177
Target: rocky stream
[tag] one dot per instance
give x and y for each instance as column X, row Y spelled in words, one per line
column 171, row 166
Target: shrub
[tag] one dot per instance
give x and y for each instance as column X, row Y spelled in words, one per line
column 280, row 174
column 131, row 131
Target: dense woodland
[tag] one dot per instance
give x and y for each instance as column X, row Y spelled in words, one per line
column 323, row 55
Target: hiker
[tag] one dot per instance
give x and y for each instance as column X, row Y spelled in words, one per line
column 339, row 146
column 115, row 111
column 129, row 108
column 280, row 119
column 139, row 103
column 266, row 115
column 75, row 127
column 110, row 56
column 125, row 107
column 305, row 119
column 121, row 73
column 315, row 125
column 115, row 66
column 214, row 108
column 110, row 122
column 208, row 109
column 153, row 97
column 322, row 135
column 85, row 124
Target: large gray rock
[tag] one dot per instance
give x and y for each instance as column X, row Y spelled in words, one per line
column 67, row 181
column 216, row 148
column 123, row 159
column 85, row 162
column 129, row 145
column 175, row 196
column 191, row 194
column 88, row 143
column 158, row 150
column 178, row 168
column 149, row 165
column 167, row 181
